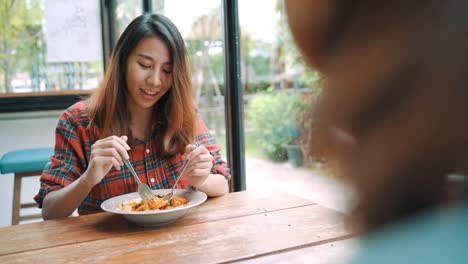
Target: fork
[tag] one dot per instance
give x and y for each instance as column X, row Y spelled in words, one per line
column 143, row 190
column 168, row 196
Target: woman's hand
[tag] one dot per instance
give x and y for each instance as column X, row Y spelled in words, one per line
column 200, row 165
column 105, row 153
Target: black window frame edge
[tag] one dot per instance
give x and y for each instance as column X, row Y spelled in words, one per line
column 233, row 99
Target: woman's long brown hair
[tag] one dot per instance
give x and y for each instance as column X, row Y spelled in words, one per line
column 394, row 109
column 174, row 114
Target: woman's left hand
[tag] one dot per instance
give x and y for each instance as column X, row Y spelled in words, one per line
column 200, row 165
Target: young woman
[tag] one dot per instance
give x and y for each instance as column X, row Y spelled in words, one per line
column 143, row 112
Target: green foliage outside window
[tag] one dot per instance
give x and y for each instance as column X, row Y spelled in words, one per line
column 274, row 119
column 20, row 35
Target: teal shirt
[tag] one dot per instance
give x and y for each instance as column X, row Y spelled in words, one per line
column 434, row 237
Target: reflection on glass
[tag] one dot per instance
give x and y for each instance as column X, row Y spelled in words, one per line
column 23, row 54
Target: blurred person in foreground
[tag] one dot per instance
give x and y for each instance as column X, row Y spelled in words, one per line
column 393, row 119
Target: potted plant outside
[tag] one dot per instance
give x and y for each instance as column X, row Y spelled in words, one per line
column 293, row 149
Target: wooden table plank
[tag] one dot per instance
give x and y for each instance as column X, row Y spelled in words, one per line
column 331, row 252
column 218, row 241
column 53, row 233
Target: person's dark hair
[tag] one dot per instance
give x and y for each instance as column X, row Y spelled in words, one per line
column 108, row 106
column 394, row 108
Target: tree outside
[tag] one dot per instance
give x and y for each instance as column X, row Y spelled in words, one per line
column 20, row 39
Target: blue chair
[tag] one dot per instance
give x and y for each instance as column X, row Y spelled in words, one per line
column 24, row 163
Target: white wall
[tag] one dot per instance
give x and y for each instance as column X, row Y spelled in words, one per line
column 23, row 130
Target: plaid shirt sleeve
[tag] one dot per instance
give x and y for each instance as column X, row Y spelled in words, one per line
column 205, row 138
column 68, row 162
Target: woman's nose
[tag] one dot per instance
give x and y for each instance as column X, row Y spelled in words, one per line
column 154, row 78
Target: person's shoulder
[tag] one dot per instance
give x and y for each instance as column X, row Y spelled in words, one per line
column 76, row 113
column 438, row 236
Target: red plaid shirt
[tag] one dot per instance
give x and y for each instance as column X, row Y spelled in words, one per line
column 73, row 150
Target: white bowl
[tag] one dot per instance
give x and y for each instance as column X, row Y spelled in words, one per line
column 154, row 217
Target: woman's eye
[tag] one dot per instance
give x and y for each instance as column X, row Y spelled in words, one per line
column 144, row 66
column 167, row 71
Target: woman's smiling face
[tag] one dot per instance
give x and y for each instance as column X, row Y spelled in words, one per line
column 148, row 73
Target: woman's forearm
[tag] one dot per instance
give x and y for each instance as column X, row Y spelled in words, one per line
column 215, row 185
column 62, row 203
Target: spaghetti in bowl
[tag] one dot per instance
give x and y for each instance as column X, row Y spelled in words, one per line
column 156, row 203
column 153, row 217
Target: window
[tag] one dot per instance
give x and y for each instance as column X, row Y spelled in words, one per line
column 37, row 70
column 276, row 86
column 125, row 12
column 200, row 25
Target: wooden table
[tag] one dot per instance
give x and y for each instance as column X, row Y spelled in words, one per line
column 250, row 226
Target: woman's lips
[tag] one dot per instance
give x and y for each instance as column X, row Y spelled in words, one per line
column 148, row 94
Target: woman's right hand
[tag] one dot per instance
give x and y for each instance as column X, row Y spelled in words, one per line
column 105, row 153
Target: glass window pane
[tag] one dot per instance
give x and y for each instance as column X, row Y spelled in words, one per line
column 158, row 6
column 200, row 24
column 25, row 66
column 276, row 87
column 125, row 12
